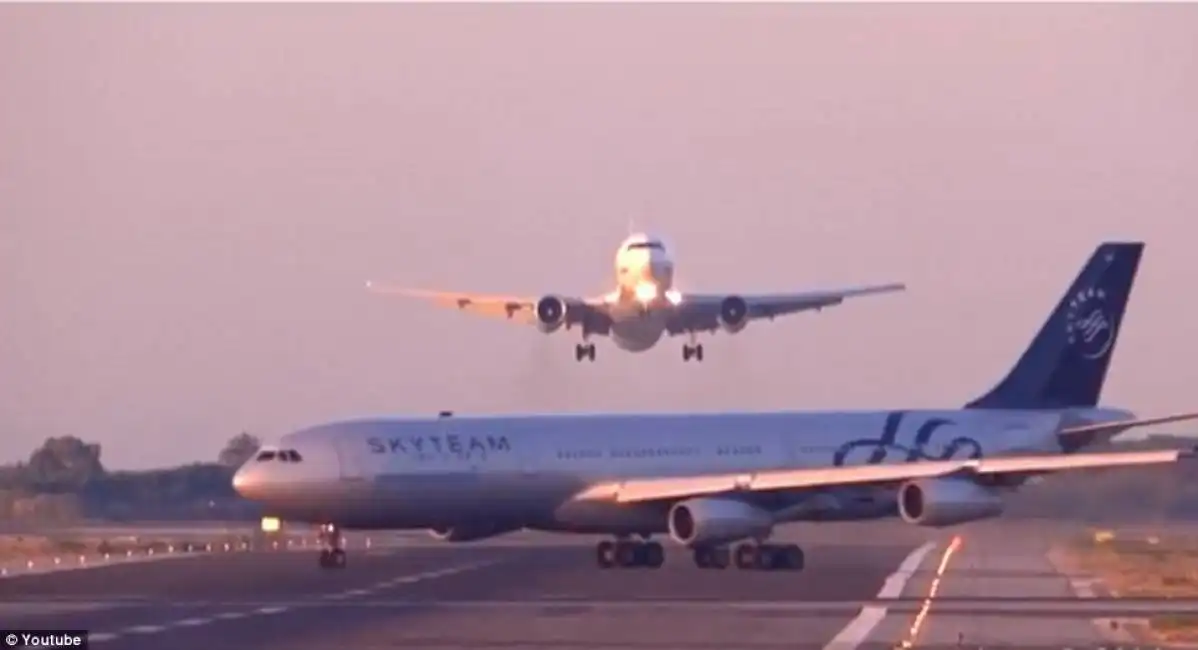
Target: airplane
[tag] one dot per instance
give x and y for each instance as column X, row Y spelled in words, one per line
column 644, row 305
column 715, row 480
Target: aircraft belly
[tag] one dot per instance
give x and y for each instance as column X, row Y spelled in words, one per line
column 634, row 331
column 429, row 499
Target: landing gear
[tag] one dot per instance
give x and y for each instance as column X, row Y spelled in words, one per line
column 756, row 557
column 769, row 557
column 626, row 554
column 712, row 557
column 332, row 556
column 584, row 351
column 692, row 352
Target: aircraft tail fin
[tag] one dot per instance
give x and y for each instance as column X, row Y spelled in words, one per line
column 1066, row 364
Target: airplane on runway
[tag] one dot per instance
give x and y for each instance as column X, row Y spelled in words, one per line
column 709, row 481
column 644, row 306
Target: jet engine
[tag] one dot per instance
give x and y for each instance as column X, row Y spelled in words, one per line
column 704, row 522
column 551, row 314
column 734, row 314
column 944, row 502
column 471, row 532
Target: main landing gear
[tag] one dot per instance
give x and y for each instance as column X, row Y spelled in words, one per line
column 332, row 555
column 584, row 351
column 628, row 554
column 757, row 557
column 692, row 352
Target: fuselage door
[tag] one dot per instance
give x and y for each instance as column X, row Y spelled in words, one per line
column 351, row 459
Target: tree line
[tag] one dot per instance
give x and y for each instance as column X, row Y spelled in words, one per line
column 65, row 479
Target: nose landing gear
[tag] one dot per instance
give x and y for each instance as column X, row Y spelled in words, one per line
column 332, row 556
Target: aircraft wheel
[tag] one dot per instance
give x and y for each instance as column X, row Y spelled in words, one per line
column 584, row 351
column 332, row 559
column 605, row 554
column 628, row 554
column 791, row 557
column 654, row 555
column 711, row 558
column 720, row 557
column 749, row 556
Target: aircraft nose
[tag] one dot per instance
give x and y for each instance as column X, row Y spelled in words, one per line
column 244, row 481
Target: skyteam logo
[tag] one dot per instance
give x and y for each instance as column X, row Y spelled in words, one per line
column 1088, row 325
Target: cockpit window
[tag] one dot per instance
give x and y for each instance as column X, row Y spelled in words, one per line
column 655, row 245
column 284, row 455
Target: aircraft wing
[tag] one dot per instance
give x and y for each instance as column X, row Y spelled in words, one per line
column 672, row 488
column 579, row 311
column 699, row 312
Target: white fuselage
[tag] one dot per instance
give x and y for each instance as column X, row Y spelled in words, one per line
column 644, row 282
column 530, row 470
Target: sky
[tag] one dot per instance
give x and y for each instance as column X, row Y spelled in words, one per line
column 193, row 195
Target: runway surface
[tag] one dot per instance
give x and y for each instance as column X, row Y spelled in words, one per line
column 544, row 592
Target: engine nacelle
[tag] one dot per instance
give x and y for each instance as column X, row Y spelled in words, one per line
column 701, row 522
column 945, row 502
column 734, row 314
column 470, row 532
column 551, row 314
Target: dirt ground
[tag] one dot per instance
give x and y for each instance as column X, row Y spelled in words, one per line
column 1146, row 567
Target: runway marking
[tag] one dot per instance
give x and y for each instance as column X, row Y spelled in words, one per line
column 99, row 637
column 922, row 615
column 144, row 629
column 858, row 629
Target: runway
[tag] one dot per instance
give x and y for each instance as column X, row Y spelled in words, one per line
column 545, row 593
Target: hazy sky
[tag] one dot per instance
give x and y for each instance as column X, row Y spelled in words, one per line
column 191, row 197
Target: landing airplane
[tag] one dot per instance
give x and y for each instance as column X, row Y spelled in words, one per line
column 711, row 480
column 644, row 306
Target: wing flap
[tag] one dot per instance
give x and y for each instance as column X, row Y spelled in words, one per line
column 698, row 312
column 491, row 305
column 654, row 489
column 588, row 313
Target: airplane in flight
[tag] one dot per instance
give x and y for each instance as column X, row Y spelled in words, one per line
column 712, row 481
column 644, row 305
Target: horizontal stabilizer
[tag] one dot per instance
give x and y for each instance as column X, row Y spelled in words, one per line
column 1120, row 426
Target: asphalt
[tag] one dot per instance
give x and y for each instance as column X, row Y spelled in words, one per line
column 543, row 592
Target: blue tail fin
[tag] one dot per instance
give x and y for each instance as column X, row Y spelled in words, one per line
column 1066, row 363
